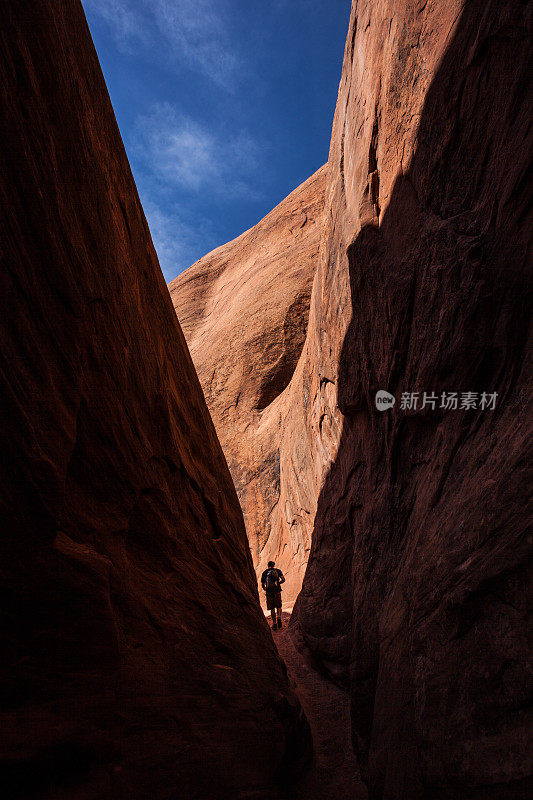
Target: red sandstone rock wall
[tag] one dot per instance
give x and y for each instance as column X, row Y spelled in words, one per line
column 136, row 662
column 244, row 311
column 415, row 590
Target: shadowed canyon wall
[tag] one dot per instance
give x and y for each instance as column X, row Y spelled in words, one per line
column 415, row 591
column 244, row 310
column 136, row 661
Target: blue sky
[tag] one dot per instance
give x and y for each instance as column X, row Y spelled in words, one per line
column 225, row 106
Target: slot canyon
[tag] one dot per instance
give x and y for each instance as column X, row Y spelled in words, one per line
column 161, row 444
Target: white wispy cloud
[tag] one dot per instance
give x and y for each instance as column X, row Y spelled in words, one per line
column 197, row 28
column 192, row 31
column 175, row 159
column 127, row 21
column 178, row 241
column 176, row 150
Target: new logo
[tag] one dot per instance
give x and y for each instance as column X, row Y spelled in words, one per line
column 384, row 400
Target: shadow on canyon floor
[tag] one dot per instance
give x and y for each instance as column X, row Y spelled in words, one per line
column 334, row 773
column 414, row 592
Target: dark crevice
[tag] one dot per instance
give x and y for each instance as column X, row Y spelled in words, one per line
column 352, row 42
column 294, row 331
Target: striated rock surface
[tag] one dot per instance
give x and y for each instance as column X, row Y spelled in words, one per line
column 136, row 661
column 244, row 311
column 415, row 590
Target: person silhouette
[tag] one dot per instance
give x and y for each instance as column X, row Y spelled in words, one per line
column 271, row 581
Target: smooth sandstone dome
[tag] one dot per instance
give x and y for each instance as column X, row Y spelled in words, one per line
column 243, row 309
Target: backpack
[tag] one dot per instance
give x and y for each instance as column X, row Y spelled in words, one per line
column 272, row 579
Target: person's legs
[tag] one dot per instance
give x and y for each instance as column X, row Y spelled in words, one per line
column 279, row 614
column 273, row 613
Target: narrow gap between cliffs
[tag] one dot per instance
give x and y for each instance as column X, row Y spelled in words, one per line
column 334, row 772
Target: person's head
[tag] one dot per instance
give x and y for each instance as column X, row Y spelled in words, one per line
column 270, row 564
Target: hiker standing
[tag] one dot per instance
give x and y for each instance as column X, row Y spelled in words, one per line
column 271, row 581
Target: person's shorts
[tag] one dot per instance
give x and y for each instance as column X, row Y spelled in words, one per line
column 273, row 599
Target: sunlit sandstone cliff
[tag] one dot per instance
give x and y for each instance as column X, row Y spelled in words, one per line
column 135, row 660
column 415, row 592
column 244, row 310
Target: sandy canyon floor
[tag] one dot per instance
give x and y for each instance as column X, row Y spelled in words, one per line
column 334, row 774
